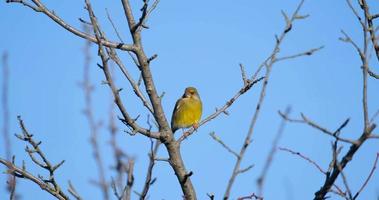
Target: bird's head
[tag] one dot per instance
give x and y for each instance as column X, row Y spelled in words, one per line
column 191, row 92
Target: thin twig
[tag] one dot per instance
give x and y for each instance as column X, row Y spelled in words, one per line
column 149, row 180
column 50, row 185
column 305, row 53
column 73, row 192
column 22, row 173
column 368, row 177
column 370, row 26
column 270, row 157
column 40, row 7
column 217, row 139
column 268, row 63
column 11, row 182
column 252, row 196
column 313, row 124
column 93, row 124
column 303, row 157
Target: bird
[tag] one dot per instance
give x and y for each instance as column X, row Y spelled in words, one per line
column 187, row 111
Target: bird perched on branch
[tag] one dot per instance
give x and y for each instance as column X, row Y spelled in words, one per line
column 187, row 111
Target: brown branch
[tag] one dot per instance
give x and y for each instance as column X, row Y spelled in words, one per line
column 368, row 177
column 303, row 157
column 305, row 53
column 50, row 185
column 148, row 180
column 372, row 74
column 370, row 26
column 252, row 196
column 73, row 192
column 166, row 136
column 268, row 64
column 22, row 173
column 217, row 139
column 93, row 125
column 312, row 162
column 145, row 15
column 270, row 157
column 129, row 181
column 112, row 53
column 368, row 127
column 40, row 7
column 313, row 124
column 11, row 182
column 114, row 56
column 320, row 195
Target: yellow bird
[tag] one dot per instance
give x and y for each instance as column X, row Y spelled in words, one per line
column 187, row 111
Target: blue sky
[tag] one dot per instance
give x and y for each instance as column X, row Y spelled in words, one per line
column 199, row 43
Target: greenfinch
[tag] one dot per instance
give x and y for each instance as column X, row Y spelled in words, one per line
column 187, row 111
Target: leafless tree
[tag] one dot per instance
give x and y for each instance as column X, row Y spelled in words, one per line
column 160, row 134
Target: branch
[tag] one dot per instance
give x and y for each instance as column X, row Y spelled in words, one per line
column 303, row 157
column 371, row 27
column 312, row 162
column 93, row 125
column 11, row 182
column 145, row 15
column 73, row 192
column 368, row 177
column 305, row 53
column 50, row 185
column 217, row 139
column 166, row 137
column 268, row 64
column 22, row 173
column 312, row 124
column 40, row 7
column 320, row 195
column 129, row 181
column 148, row 180
column 252, row 196
column 270, row 157
column 127, row 120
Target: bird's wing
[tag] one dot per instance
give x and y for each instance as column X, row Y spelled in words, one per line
column 178, row 105
column 176, row 110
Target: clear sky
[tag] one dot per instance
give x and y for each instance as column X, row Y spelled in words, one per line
column 199, row 43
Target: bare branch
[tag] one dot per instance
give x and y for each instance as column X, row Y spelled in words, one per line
column 148, row 180
column 309, row 122
column 24, row 3
column 303, row 157
column 145, row 15
column 217, row 139
column 73, row 192
column 129, row 121
column 270, row 157
column 371, row 27
column 268, row 63
column 372, row 74
column 130, row 181
column 320, row 195
column 22, row 173
column 252, row 196
column 50, row 185
column 368, row 177
column 40, row 7
column 11, row 182
column 305, row 53
column 93, row 124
